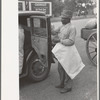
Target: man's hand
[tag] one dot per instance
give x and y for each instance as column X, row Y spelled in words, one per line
column 55, row 39
column 67, row 42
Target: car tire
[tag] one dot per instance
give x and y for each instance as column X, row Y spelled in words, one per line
column 33, row 66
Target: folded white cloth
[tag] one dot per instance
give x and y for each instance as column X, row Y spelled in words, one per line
column 91, row 24
column 69, row 58
column 20, row 62
column 21, row 48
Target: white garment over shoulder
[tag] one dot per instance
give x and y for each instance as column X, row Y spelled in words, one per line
column 69, row 58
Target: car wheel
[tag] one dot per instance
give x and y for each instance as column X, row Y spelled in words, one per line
column 38, row 70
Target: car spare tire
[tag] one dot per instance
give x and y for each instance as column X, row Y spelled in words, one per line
column 38, row 69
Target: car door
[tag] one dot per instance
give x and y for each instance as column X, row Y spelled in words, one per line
column 39, row 36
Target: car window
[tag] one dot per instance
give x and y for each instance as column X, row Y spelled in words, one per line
column 39, row 26
column 39, row 23
column 36, row 22
column 28, row 22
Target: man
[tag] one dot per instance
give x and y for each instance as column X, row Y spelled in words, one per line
column 65, row 37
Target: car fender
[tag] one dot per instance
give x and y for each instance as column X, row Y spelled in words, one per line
column 34, row 51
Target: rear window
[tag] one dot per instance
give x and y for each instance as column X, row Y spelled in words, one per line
column 39, row 26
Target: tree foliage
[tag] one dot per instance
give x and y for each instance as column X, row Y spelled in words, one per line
column 70, row 5
column 79, row 5
column 73, row 5
column 57, row 6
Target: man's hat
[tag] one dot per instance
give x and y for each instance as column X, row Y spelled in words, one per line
column 67, row 14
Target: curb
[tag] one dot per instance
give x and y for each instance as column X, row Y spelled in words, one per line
column 56, row 19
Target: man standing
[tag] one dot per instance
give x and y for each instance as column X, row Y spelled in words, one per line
column 70, row 63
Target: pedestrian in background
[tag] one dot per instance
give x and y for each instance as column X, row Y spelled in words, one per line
column 69, row 60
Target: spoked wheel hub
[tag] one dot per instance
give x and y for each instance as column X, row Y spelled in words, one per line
column 91, row 48
column 38, row 67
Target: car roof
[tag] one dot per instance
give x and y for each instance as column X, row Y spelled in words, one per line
column 31, row 13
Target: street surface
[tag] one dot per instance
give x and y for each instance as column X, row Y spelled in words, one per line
column 84, row 85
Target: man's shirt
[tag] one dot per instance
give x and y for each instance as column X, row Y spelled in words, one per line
column 67, row 31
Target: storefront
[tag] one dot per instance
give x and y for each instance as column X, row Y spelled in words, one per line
column 35, row 5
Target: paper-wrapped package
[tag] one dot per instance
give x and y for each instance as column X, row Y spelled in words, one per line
column 69, row 58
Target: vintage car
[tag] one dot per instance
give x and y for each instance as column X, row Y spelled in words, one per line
column 37, row 45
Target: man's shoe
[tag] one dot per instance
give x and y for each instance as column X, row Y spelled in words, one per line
column 59, row 86
column 64, row 90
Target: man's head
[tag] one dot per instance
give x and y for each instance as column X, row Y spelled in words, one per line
column 66, row 16
column 65, row 21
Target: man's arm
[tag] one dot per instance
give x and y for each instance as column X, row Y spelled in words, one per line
column 67, row 42
column 70, row 41
column 54, row 36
